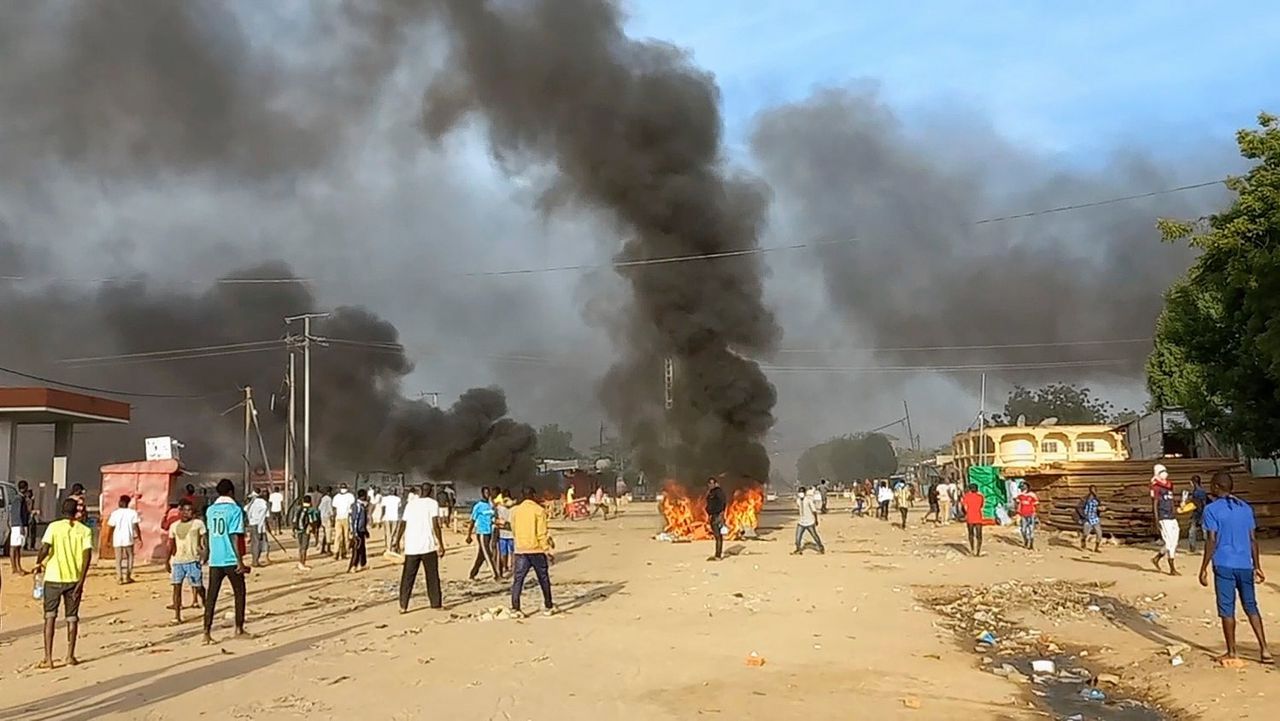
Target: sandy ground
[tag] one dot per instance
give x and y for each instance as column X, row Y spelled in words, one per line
column 649, row 630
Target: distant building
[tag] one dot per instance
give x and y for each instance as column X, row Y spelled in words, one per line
column 1020, row 448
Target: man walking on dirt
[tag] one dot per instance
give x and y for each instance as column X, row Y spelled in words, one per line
column 1027, row 503
column 19, row 518
column 325, row 506
column 124, row 526
column 533, row 550
column 715, row 515
column 1232, row 547
column 258, row 511
column 973, row 502
column 481, row 526
column 1165, row 513
column 342, row 504
column 423, row 547
column 1090, row 513
column 68, row 547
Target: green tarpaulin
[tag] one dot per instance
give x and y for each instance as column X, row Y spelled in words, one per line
column 990, row 486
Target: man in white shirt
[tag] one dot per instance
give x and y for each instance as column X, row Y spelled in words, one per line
column 256, row 513
column 277, row 510
column 342, row 504
column 884, row 496
column 125, row 526
column 375, row 509
column 423, row 546
column 809, row 504
column 389, row 509
column 325, row 506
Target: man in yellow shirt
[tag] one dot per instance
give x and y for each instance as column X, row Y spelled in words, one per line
column 533, row 549
column 68, row 547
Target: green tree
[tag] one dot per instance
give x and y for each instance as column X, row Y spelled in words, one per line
column 556, row 442
column 845, row 458
column 1217, row 344
column 1070, row 404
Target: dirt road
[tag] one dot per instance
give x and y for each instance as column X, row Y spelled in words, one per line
column 648, row 630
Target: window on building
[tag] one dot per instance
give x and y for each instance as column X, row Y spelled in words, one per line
column 1084, row 447
column 1048, row 446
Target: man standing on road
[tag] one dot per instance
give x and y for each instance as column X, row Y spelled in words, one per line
column 533, row 549
column 423, row 547
column 124, row 526
column 1027, row 503
column 68, row 547
column 884, row 496
column 19, row 517
column 1165, row 513
column 225, row 520
column 902, row 499
column 359, row 533
column 1232, row 546
column 276, row 503
column 1199, row 497
column 390, row 504
column 326, row 520
column 946, row 498
column 807, row 522
column 342, row 504
column 305, row 520
column 188, row 550
column 715, row 515
column 506, row 539
column 258, row 510
column 481, row 525
column 1090, row 513
column 973, row 502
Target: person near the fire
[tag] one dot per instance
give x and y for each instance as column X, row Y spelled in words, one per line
column 359, row 533
column 19, row 517
column 973, row 502
column 1090, row 514
column 1199, row 498
column 809, row 503
column 1027, row 502
column 506, row 539
column 533, row 549
column 481, row 527
column 68, row 547
column 306, row 518
column 1232, row 547
column 1165, row 512
column 715, row 515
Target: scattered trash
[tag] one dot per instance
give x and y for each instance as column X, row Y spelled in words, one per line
column 1043, row 666
column 1089, row 693
column 1176, row 661
column 755, row 659
column 987, row 637
column 1176, row 649
column 1150, row 616
column 911, row 702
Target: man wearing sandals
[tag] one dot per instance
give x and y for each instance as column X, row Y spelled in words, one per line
column 67, row 546
column 1232, row 547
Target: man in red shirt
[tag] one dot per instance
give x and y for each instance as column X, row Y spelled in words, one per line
column 973, row 501
column 1027, row 501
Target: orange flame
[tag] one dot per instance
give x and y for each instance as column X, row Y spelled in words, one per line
column 686, row 516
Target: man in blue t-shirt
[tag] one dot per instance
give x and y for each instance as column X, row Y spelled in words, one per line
column 482, row 515
column 1233, row 549
column 225, row 521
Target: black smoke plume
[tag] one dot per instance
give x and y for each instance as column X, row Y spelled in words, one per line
column 633, row 129
column 921, row 271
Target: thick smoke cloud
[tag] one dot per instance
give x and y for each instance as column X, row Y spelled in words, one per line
column 922, row 272
column 633, row 130
column 162, row 136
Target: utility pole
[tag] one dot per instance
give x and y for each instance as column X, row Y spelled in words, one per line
column 911, row 436
column 248, row 425
column 982, row 423
column 307, row 340
column 290, row 433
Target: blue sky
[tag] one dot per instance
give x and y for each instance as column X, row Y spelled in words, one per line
column 1064, row 77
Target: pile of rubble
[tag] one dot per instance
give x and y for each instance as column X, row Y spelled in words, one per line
column 977, row 610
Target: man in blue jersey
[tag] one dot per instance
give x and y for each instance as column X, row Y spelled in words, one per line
column 482, row 517
column 225, row 521
column 1232, row 547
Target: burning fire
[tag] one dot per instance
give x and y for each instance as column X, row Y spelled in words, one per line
column 687, row 516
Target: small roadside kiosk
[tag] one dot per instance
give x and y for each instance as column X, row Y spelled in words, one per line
column 149, row 485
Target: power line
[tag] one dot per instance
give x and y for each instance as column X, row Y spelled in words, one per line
column 993, row 346
column 94, row 389
column 622, row 264
column 176, row 358
column 172, row 351
column 945, row 369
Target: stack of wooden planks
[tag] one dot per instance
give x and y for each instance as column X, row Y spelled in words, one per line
column 1124, row 489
